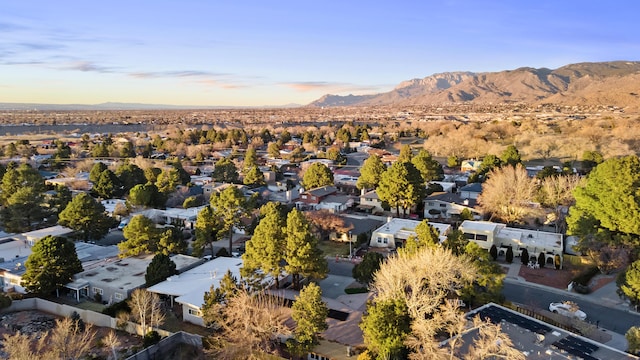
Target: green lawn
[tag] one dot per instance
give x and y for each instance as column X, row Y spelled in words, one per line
column 331, row 248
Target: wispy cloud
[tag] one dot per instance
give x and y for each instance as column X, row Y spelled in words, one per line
column 87, row 66
column 305, row 86
column 175, row 74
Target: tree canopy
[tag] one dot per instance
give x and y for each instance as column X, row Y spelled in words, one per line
column 207, row 228
column 302, row 255
column 370, row 173
column 317, row 175
column 508, row 194
column 266, row 248
column 429, row 168
column 141, row 236
column 225, row 171
column 159, row 269
column 87, row 216
column 608, row 205
column 401, row 186
column 51, row 265
column 230, row 206
column 310, row 314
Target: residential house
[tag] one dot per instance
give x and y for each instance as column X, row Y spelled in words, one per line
column 486, row 234
column 315, row 196
column 447, row 205
column 188, row 288
column 370, row 202
column 396, row 231
column 471, row 191
column 113, row 280
column 358, row 227
column 470, row 165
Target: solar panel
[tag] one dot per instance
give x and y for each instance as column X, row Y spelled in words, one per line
column 496, row 315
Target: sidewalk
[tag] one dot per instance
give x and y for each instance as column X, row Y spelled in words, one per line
column 606, row 296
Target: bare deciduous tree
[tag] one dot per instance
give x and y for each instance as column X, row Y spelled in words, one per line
column 249, row 326
column 508, row 194
column 557, row 192
column 423, row 288
column 112, row 342
column 146, row 309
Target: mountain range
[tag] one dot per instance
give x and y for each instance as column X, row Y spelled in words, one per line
column 614, row 83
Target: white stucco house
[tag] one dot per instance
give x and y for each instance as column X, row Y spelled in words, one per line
column 396, row 231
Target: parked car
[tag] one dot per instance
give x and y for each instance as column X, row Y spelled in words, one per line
column 567, row 308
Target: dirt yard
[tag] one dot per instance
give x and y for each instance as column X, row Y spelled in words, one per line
column 36, row 323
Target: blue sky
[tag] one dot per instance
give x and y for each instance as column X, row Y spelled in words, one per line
column 261, row 53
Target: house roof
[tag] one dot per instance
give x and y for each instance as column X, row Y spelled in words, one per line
column 190, row 286
column 532, row 336
column 473, row 187
column 360, row 224
column 124, row 274
column 451, row 198
column 404, row 228
column 371, row 195
column 57, row 230
column 322, row 191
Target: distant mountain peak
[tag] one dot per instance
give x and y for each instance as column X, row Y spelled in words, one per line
column 604, row 83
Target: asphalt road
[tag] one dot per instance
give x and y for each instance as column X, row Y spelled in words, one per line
column 341, row 268
column 613, row 319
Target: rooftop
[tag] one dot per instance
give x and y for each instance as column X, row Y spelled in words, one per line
column 404, row 228
column 190, row 286
column 121, row 274
column 539, row 340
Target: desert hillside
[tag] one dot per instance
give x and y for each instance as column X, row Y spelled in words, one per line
column 614, row 83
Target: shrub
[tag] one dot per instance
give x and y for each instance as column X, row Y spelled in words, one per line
column 556, row 261
column 151, row 338
column 5, row 301
column 493, row 252
column 524, row 258
column 223, row 252
column 541, row 260
column 585, row 276
column 115, row 308
column 509, row 255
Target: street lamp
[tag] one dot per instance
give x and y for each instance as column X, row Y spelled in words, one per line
column 349, row 245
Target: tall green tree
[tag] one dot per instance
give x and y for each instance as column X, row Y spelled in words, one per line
column 254, row 177
column 96, row 170
column 488, row 280
column 171, row 241
column 607, row 207
column 429, row 168
column 207, row 227
column 141, row 236
column 225, row 171
column 86, row 216
column 51, row 265
column 302, row 255
column 511, row 156
column 216, row 297
column 628, row 282
column 146, row 195
column 370, row 173
column 168, row 180
column 108, row 185
column 310, row 314
column 159, row 269
column 385, row 328
column 23, row 208
column 265, row 250
column 129, row 176
column 364, row 271
column 401, row 186
column 405, row 154
column 426, row 236
column 250, row 158
column 230, row 206
column 317, row 175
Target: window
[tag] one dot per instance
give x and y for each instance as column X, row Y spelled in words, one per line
column 97, row 290
column 430, row 203
column 379, row 240
column 117, row 296
column 304, row 196
column 386, row 241
column 195, row 312
column 470, row 236
column 481, row 237
column 443, row 205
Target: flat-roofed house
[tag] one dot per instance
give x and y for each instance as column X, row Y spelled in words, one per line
column 396, row 231
column 188, row 288
column 486, row 234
